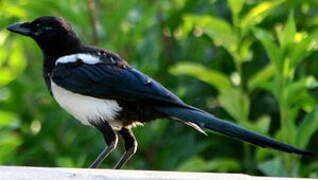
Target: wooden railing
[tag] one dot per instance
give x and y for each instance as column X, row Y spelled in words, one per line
column 46, row 173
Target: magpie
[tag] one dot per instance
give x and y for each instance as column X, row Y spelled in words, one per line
column 100, row 89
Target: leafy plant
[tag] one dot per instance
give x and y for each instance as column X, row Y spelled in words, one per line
column 278, row 77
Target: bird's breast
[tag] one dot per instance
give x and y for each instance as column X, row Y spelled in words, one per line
column 87, row 109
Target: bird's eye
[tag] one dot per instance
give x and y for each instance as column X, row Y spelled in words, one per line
column 47, row 28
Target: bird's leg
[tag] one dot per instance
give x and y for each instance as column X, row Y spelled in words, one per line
column 130, row 147
column 111, row 140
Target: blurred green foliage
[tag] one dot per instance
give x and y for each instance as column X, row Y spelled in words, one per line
column 253, row 62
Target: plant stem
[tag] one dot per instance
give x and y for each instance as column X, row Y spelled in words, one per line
column 93, row 20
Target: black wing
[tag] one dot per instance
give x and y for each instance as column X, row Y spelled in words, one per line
column 112, row 82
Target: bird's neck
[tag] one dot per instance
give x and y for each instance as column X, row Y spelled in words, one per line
column 54, row 48
column 58, row 46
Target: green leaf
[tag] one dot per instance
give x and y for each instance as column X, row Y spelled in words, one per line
column 261, row 126
column 8, row 144
column 295, row 94
column 12, row 64
column 261, row 76
column 273, row 167
column 236, row 103
column 7, row 118
column 199, row 164
column 307, row 128
column 13, row 10
column 259, row 12
column 286, row 36
column 245, row 53
column 314, row 93
column 217, row 29
column 274, row 53
column 214, row 78
column 263, row 123
column 5, row 94
column 235, row 6
column 65, row 162
column 302, row 49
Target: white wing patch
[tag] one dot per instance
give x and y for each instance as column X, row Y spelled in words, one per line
column 86, row 108
column 86, row 58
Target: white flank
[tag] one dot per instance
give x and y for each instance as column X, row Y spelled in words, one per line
column 86, row 108
column 86, row 58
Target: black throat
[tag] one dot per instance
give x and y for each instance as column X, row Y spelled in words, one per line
column 58, row 46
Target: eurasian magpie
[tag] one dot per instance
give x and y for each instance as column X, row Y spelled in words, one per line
column 100, row 89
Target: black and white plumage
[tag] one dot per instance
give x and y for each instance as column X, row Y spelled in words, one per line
column 100, row 89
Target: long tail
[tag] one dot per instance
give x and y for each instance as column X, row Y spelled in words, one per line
column 205, row 120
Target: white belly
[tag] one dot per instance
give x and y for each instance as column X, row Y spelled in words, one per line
column 87, row 109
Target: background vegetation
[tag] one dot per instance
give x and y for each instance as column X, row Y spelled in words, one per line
column 252, row 62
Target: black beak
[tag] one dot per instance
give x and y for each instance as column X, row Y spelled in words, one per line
column 20, row 28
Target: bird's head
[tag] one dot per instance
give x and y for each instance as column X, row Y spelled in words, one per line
column 45, row 27
column 50, row 32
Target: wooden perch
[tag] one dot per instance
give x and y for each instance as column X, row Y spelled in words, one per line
column 47, row 173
